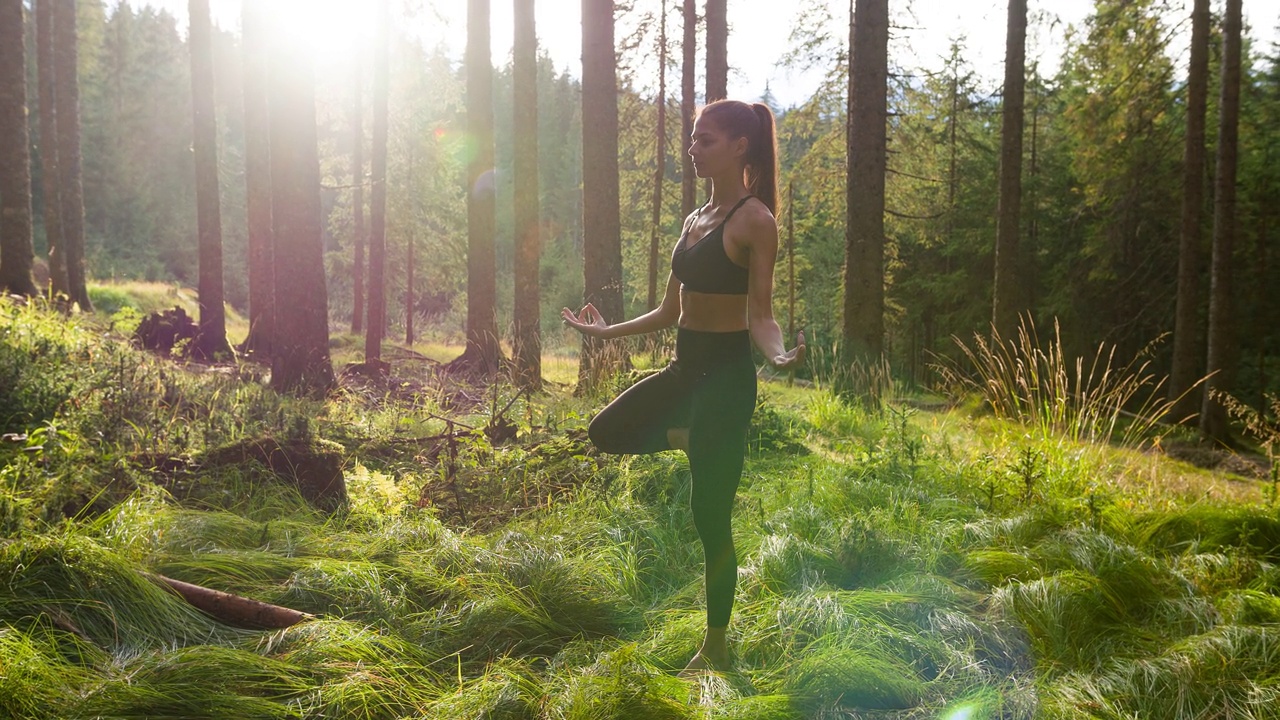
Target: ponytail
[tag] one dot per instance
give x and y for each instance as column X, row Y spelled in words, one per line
column 754, row 122
column 762, row 160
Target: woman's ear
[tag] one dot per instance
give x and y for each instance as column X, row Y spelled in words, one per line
column 740, row 147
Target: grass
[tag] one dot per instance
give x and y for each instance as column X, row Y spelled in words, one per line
column 893, row 563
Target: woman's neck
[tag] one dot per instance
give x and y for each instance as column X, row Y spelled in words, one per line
column 727, row 190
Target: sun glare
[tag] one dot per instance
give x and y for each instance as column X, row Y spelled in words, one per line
column 329, row 28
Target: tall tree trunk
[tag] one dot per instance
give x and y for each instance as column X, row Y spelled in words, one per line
column 483, row 351
column 409, row 299
column 211, row 340
column 717, row 50
column 49, row 148
column 257, row 180
column 528, row 223
column 1222, row 356
column 791, row 259
column 660, row 161
column 601, row 222
column 377, row 300
column 357, row 192
column 688, row 70
column 67, row 108
column 866, row 140
column 301, row 359
column 17, row 254
column 1186, row 329
column 1009, row 294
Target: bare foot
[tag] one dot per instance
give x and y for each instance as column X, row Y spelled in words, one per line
column 700, row 665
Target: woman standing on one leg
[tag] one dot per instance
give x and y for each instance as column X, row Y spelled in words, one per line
column 720, row 296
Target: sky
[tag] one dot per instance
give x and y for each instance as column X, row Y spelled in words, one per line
column 759, row 33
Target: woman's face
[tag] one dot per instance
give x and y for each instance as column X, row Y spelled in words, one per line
column 713, row 152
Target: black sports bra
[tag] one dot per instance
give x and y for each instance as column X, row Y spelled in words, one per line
column 705, row 267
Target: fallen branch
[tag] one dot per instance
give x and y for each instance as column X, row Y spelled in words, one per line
column 233, row 609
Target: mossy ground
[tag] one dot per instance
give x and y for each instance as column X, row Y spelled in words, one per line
column 894, row 564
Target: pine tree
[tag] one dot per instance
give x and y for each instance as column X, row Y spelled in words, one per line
column 660, row 161
column 211, row 341
column 71, row 188
column 17, row 253
column 375, row 329
column 601, row 222
column 688, row 68
column 1009, row 296
column 257, row 180
column 300, row 363
column 866, row 143
column 1223, row 358
column 49, row 148
column 528, row 342
column 717, row 50
column 1187, row 344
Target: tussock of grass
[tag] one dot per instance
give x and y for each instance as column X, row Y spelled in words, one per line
column 81, row 587
column 36, row 679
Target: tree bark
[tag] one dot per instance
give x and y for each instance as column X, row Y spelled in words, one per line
column 1186, row 329
column 866, row 140
column 232, row 609
column 67, row 108
column 483, row 352
column 17, row 253
column 688, row 102
column 717, row 50
column 1009, row 298
column 300, row 363
column 527, row 316
column 377, row 295
column 49, row 149
column 601, row 223
column 660, row 161
column 257, row 181
column 409, row 300
column 357, row 193
column 211, row 342
column 1222, row 357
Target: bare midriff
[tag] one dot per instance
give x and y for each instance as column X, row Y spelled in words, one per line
column 712, row 312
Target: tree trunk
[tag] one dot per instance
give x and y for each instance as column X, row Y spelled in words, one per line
column 527, row 332
column 408, row 294
column 688, row 69
column 357, row 193
column 660, row 161
column 864, row 235
column 1009, row 293
column 601, row 223
column 211, row 342
column 301, row 359
column 1222, row 356
column 377, row 300
column 257, row 181
column 1186, row 329
column 717, row 50
column 483, row 352
column 17, row 254
column 67, row 108
column 49, row 148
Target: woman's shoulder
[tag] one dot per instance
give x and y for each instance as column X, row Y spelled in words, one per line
column 754, row 217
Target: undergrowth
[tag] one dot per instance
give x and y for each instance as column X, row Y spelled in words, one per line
column 894, row 563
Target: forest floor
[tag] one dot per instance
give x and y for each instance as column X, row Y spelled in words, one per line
column 894, row 563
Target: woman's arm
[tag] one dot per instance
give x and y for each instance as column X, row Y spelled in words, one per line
column 762, row 252
column 590, row 322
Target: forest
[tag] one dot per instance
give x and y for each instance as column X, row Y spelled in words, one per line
column 291, row 425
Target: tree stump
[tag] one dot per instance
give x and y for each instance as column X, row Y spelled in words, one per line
column 312, row 465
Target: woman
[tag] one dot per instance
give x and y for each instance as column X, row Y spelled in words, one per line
column 719, row 295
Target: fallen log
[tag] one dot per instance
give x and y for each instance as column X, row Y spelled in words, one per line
column 231, row 609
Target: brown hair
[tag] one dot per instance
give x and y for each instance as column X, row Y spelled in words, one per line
column 753, row 121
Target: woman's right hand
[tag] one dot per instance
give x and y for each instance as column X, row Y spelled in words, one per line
column 588, row 322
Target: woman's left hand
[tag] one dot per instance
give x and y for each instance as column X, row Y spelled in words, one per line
column 791, row 359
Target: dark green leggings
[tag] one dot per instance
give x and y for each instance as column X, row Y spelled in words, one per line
column 709, row 388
